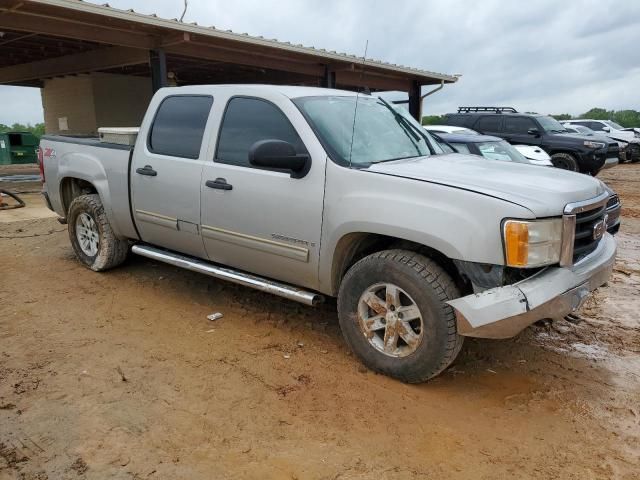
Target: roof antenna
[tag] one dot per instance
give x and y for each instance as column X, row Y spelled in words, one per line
column 186, row 4
column 367, row 92
column 365, row 88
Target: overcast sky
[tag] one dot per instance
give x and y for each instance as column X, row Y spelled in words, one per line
column 546, row 56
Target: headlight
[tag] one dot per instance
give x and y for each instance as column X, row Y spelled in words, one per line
column 622, row 144
column 532, row 243
column 591, row 144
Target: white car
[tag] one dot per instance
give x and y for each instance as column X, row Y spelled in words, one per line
column 449, row 129
column 608, row 128
column 628, row 139
column 535, row 155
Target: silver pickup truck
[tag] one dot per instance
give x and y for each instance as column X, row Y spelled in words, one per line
column 308, row 192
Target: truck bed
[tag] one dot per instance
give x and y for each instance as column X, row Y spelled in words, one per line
column 88, row 141
column 69, row 159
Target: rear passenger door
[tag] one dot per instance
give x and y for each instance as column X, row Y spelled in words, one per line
column 516, row 130
column 166, row 173
column 489, row 125
column 260, row 220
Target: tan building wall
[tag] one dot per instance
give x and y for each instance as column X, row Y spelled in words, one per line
column 120, row 100
column 78, row 105
column 68, row 105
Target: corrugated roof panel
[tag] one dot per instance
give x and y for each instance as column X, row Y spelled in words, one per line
column 154, row 20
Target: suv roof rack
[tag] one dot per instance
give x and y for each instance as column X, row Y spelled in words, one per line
column 487, row 109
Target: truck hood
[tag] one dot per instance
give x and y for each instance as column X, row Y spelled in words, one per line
column 544, row 191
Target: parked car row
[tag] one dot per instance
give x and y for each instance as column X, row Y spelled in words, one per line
column 569, row 151
column 534, row 154
column 628, row 139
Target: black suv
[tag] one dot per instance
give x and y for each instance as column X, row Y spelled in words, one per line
column 568, row 151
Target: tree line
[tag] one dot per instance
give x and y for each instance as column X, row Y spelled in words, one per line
column 37, row 129
column 626, row 118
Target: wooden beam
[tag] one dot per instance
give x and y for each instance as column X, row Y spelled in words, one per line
column 17, row 39
column 340, row 67
column 204, row 51
column 372, row 80
column 90, row 61
column 176, row 39
column 76, row 30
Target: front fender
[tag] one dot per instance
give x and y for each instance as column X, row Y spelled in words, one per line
column 458, row 223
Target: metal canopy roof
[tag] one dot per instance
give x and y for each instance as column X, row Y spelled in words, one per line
column 47, row 38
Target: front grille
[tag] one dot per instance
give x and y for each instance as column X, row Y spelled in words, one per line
column 613, row 150
column 584, row 242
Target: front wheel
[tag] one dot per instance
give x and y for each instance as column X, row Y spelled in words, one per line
column 566, row 161
column 393, row 315
column 92, row 238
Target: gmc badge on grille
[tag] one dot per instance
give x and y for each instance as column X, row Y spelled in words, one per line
column 599, row 228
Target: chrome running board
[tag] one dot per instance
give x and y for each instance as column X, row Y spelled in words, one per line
column 234, row 276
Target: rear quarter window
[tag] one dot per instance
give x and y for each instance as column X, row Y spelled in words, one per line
column 489, row 123
column 179, row 126
column 455, row 119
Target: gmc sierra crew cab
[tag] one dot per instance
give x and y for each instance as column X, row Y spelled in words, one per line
column 308, row 192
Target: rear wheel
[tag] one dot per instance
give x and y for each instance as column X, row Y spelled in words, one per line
column 566, row 161
column 393, row 314
column 92, row 238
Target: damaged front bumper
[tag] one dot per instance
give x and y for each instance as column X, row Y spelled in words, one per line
column 554, row 292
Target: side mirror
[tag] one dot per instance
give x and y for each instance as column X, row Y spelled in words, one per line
column 606, row 129
column 534, row 131
column 279, row 155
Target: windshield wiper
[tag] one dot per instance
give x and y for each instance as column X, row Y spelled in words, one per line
column 403, row 122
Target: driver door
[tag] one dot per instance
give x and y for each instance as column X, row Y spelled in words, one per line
column 255, row 219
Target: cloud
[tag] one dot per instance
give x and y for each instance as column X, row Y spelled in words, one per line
column 20, row 105
column 540, row 55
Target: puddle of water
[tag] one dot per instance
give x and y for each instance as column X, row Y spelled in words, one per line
column 592, row 352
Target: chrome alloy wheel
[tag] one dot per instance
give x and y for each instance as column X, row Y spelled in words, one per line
column 390, row 320
column 87, row 234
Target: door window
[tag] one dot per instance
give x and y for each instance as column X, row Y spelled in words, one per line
column 179, row 125
column 518, row 125
column 489, row 124
column 597, row 126
column 247, row 121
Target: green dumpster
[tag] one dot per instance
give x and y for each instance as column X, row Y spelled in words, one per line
column 18, row 147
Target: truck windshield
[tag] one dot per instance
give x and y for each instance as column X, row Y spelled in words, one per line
column 380, row 133
column 550, row 124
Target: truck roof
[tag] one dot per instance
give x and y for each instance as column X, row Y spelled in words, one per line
column 287, row 91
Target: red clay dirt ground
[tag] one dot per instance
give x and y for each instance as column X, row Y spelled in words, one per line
column 120, row 375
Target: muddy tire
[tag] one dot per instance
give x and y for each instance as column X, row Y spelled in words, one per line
column 566, row 161
column 92, row 238
column 399, row 296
